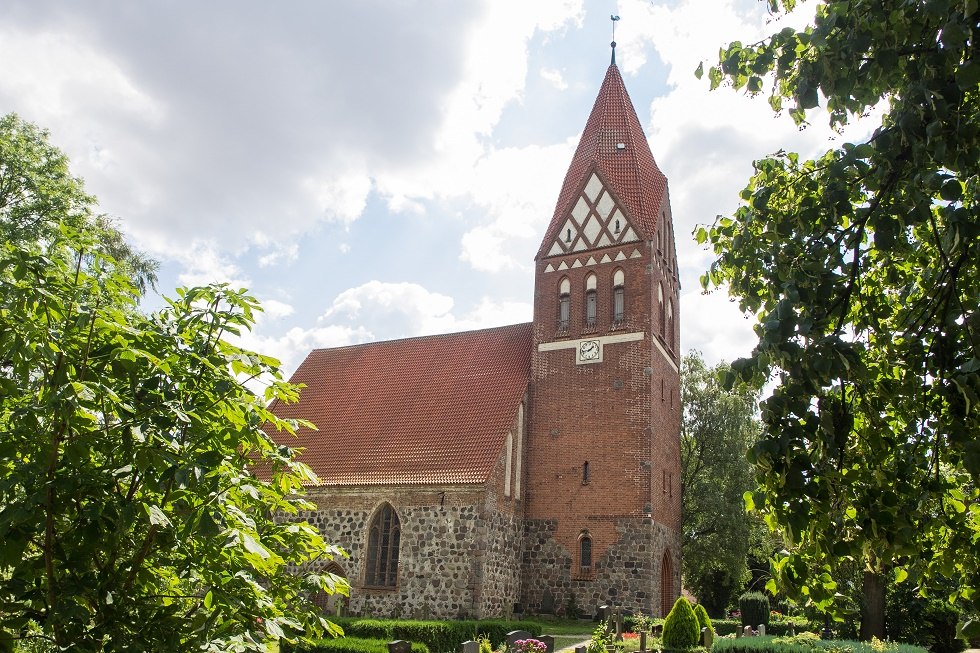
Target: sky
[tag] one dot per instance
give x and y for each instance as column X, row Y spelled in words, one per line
column 383, row 168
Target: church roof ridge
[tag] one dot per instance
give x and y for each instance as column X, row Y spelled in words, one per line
column 428, row 336
column 631, row 171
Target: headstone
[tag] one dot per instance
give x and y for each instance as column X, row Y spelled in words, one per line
column 518, row 610
column 399, row 646
column 548, row 641
column 469, row 646
column 747, row 631
column 792, row 630
column 762, row 630
column 548, row 602
column 600, row 613
column 581, row 649
column 513, row 636
column 707, row 638
column 658, row 630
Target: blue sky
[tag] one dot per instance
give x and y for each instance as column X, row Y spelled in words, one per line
column 381, row 169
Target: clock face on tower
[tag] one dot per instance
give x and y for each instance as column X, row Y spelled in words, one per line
column 589, row 350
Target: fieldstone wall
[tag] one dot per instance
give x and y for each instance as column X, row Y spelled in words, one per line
column 457, row 558
column 627, row 574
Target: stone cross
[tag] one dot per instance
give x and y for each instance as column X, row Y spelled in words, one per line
column 399, row 646
column 469, row 646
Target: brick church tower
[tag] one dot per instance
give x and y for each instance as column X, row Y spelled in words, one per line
column 603, row 501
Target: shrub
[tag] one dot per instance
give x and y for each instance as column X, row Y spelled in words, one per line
column 681, row 629
column 754, row 607
column 439, row 636
column 806, row 644
column 703, row 620
column 775, row 628
column 350, row 645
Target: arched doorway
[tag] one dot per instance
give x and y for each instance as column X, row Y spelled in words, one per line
column 332, row 604
column 666, row 585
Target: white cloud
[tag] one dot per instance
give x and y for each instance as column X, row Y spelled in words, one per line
column 554, row 77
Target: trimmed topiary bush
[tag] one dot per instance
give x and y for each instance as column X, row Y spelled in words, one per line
column 704, row 621
column 754, row 607
column 681, row 628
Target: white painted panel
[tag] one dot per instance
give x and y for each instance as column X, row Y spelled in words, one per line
column 593, row 188
column 620, row 256
column 549, row 268
column 605, row 205
column 629, row 236
column 563, row 266
column 555, row 250
column 592, row 229
column 576, row 264
column 604, row 241
column 580, row 211
column 605, row 258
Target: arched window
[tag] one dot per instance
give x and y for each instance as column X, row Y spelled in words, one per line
column 585, row 473
column 619, row 296
column 382, row 553
column 666, row 585
column 585, row 554
column 670, row 323
column 663, row 318
column 590, row 300
column 564, row 303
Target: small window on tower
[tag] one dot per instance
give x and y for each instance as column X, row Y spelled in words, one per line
column 564, row 303
column 591, row 300
column 663, row 312
column 585, row 555
column 585, row 473
column 619, row 296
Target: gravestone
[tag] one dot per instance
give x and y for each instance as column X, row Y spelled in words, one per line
column 469, row 646
column 792, row 630
column 707, row 638
column 515, row 635
column 399, row 646
column 548, row 641
column 600, row 613
column 762, row 630
column 747, row 631
column 581, row 649
column 548, row 602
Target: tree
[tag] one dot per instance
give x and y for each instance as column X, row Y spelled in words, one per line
column 131, row 518
column 861, row 267
column 718, row 427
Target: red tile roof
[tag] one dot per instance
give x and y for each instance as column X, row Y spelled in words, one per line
column 430, row 410
column 632, row 174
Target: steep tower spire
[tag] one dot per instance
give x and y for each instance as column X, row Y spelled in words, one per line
column 614, row 149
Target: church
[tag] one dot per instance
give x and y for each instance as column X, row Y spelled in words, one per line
column 531, row 468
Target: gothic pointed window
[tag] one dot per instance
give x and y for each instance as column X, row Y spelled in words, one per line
column 564, row 303
column 382, row 555
column 585, row 555
column 619, row 296
column 670, row 323
column 591, row 300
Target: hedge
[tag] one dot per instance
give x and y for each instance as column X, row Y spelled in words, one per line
column 350, row 645
column 769, row 645
column 439, row 636
column 731, row 626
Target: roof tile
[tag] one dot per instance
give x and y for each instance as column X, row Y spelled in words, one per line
column 430, row 410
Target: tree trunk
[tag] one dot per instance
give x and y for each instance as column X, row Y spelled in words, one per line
column 873, row 612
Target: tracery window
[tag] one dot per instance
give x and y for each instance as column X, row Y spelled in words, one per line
column 382, row 555
column 663, row 317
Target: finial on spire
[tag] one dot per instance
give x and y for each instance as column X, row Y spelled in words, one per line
column 614, row 18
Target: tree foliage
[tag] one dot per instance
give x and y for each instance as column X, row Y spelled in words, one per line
column 861, row 266
column 130, row 517
column 681, row 630
column 718, row 427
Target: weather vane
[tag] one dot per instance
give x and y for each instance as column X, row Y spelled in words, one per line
column 614, row 18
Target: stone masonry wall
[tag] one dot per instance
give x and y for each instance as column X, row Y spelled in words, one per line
column 458, row 557
column 627, row 574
